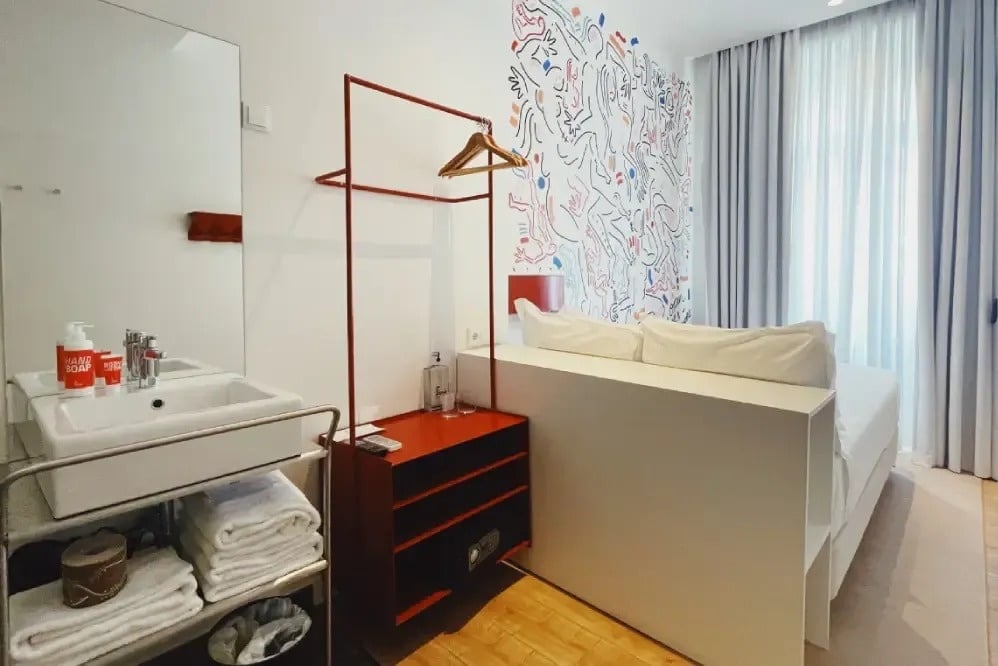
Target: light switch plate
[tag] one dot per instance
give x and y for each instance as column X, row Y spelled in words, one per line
column 257, row 117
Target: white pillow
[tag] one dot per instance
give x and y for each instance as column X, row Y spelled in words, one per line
column 577, row 334
column 797, row 354
column 830, row 359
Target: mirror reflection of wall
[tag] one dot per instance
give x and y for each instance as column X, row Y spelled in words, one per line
column 113, row 128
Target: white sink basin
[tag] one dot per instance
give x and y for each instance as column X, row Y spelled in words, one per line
column 35, row 384
column 176, row 365
column 28, row 385
column 40, row 383
column 183, row 403
column 180, row 368
column 44, row 382
column 71, row 426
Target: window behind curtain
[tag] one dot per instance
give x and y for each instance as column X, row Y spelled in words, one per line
column 854, row 190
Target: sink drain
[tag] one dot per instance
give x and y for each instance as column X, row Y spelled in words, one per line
column 158, row 403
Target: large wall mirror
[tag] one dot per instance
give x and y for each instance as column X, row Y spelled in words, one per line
column 114, row 127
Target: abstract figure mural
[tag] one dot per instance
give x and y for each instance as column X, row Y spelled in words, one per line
column 605, row 197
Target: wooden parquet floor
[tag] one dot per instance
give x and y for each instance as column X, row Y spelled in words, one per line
column 514, row 618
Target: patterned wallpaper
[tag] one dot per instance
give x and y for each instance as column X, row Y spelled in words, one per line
column 605, row 198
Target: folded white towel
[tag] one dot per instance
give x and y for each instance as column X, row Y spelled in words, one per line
column 222, row 566
column 230, row 585
column 251, row 511
column 264, row 549
column 160, row 591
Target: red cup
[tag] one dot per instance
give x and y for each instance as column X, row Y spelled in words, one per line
column 99, row 368
column 111, row 370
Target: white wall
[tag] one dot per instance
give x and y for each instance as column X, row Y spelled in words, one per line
column 293, row 56
column 136, row 122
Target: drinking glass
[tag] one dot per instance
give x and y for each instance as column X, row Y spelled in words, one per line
column 447, row 401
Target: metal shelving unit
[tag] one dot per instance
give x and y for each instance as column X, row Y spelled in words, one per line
column 184, row 632
column 25, row 517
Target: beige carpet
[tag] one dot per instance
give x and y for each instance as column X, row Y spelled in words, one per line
column 915, row 594
column 989, row 495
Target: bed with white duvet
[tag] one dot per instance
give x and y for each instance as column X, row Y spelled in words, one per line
column 867, row 412
column 707, row 487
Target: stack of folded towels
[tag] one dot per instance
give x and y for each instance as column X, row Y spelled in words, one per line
column 160, row 591
column 249, row 533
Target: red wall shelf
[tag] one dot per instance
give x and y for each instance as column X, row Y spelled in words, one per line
column 215, row 227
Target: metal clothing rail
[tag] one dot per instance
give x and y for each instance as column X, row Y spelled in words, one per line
column 348, row 184
column 49, row 465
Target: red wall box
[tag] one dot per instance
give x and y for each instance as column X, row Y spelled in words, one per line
column 215, row 227
column 545, row 291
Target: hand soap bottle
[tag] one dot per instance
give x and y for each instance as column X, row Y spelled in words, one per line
column 436, row 382
column 60, row 346
column 78, row 363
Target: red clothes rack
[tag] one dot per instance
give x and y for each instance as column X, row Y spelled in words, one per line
column 331, row 179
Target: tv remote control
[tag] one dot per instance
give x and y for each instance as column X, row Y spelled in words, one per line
column 370, row 447
column 381, row 440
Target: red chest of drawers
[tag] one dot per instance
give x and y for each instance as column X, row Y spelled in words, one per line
column 411, row 527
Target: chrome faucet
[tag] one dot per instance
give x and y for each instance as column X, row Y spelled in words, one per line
column 150, row 358
column 142, row 357
column 133, row 355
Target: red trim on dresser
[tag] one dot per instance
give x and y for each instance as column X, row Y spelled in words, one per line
column 420, row 606
column 419, row 538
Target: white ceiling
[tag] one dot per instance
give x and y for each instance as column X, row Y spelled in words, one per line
column 697, row 27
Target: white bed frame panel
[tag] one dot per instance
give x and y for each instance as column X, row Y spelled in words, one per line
column 846, row 543
column 694, row 507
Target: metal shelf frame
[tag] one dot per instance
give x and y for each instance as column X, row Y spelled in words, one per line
column 33, row 469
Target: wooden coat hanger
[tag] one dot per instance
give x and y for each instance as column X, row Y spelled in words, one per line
column 477, row 144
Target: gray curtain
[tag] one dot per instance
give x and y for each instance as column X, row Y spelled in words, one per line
column 957, row 224
column 745, row 191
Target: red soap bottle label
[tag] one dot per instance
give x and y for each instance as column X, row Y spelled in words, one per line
column 79, row 368
column 60, row 363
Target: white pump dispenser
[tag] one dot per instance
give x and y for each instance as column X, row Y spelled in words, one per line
column 78, row 362
column 60, row 345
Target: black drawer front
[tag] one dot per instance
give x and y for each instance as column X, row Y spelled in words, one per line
column 425, row 514
column 471, row 546
column 445, row 562
column 422, row 474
